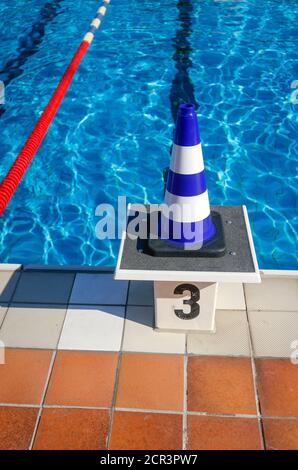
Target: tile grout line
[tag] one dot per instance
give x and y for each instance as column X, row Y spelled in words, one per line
column 281, row 417
column 18, row 405
column 5, row 314
column 114, row 397
column 10, row 301
column 76, row 407
column 67, row 269
column 98, row 350
column 161, row 353
column 42, row 400
column 70, row 304
column 222, row 415
column 255, row 382
column 55, row 352
column 258, row 405
column 117, row 373
column 144, row 410
column 149, row 411
column 15, row 289
column 185, row 392
column 66, row 310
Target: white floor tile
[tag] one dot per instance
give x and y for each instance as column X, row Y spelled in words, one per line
column 231, row 337
column 8, row 282
column 141, row 293
column 230, row 296
column 93, row 328
column 32, row 326
column 139, row 335
column 98, row 289
column 10, row 267
column 274, row 334
column 273, row 294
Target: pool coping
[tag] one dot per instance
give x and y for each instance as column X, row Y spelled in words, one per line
column 265, row 273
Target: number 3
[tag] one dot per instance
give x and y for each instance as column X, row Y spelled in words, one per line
column 194, row 298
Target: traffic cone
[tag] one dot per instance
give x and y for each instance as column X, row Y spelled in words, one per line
column 185, row 215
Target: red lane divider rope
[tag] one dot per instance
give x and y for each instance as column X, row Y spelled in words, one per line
column 21, row 163
column 12, row 179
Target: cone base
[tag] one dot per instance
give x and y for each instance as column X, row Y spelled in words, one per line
column 187, row 234
column 213, row 248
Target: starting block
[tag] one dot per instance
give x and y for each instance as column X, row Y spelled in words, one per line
column 185, row 246
column 185, row 288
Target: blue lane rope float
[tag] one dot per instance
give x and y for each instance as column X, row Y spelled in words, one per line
column 12, row 179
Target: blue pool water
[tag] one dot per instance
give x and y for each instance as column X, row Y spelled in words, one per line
column 112, row 134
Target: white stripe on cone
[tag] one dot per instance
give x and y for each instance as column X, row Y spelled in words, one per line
column 187, row 160
column 189, row 209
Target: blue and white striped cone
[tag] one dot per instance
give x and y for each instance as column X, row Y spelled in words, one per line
column 189, row 221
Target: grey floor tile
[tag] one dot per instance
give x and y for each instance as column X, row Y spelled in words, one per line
column 98, row 289
column 32, row 326
column 44, row 287
column 231, row 337
column 272, row 294
column 8, row 282
column 139, row 335
column 141, row 293
column 274, row 334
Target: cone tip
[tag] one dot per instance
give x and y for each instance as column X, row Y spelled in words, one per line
column 187, row 128
column 187, row 109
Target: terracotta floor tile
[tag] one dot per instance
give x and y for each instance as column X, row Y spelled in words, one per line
column 220, row 385
column 151, row 381
column 82, row 379
column 281, row 434
column 16, row 427
column 214, row 433
column 23, row 376
column 72, row 429
column 278, row 387
column 146, row 431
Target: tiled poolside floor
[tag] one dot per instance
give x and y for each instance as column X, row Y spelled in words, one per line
column 84, row 369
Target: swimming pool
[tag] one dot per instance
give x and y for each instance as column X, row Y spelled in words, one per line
column 112, row 134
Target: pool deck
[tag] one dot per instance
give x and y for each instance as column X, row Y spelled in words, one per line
column 83, row 368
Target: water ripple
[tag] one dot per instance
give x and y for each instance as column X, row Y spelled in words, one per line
column 112, row 134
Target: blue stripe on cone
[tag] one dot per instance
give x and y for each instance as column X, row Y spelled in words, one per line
column 187, row 129
column 187, row 232
column 186, row 185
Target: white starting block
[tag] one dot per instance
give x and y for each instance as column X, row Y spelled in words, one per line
column 185, row 288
